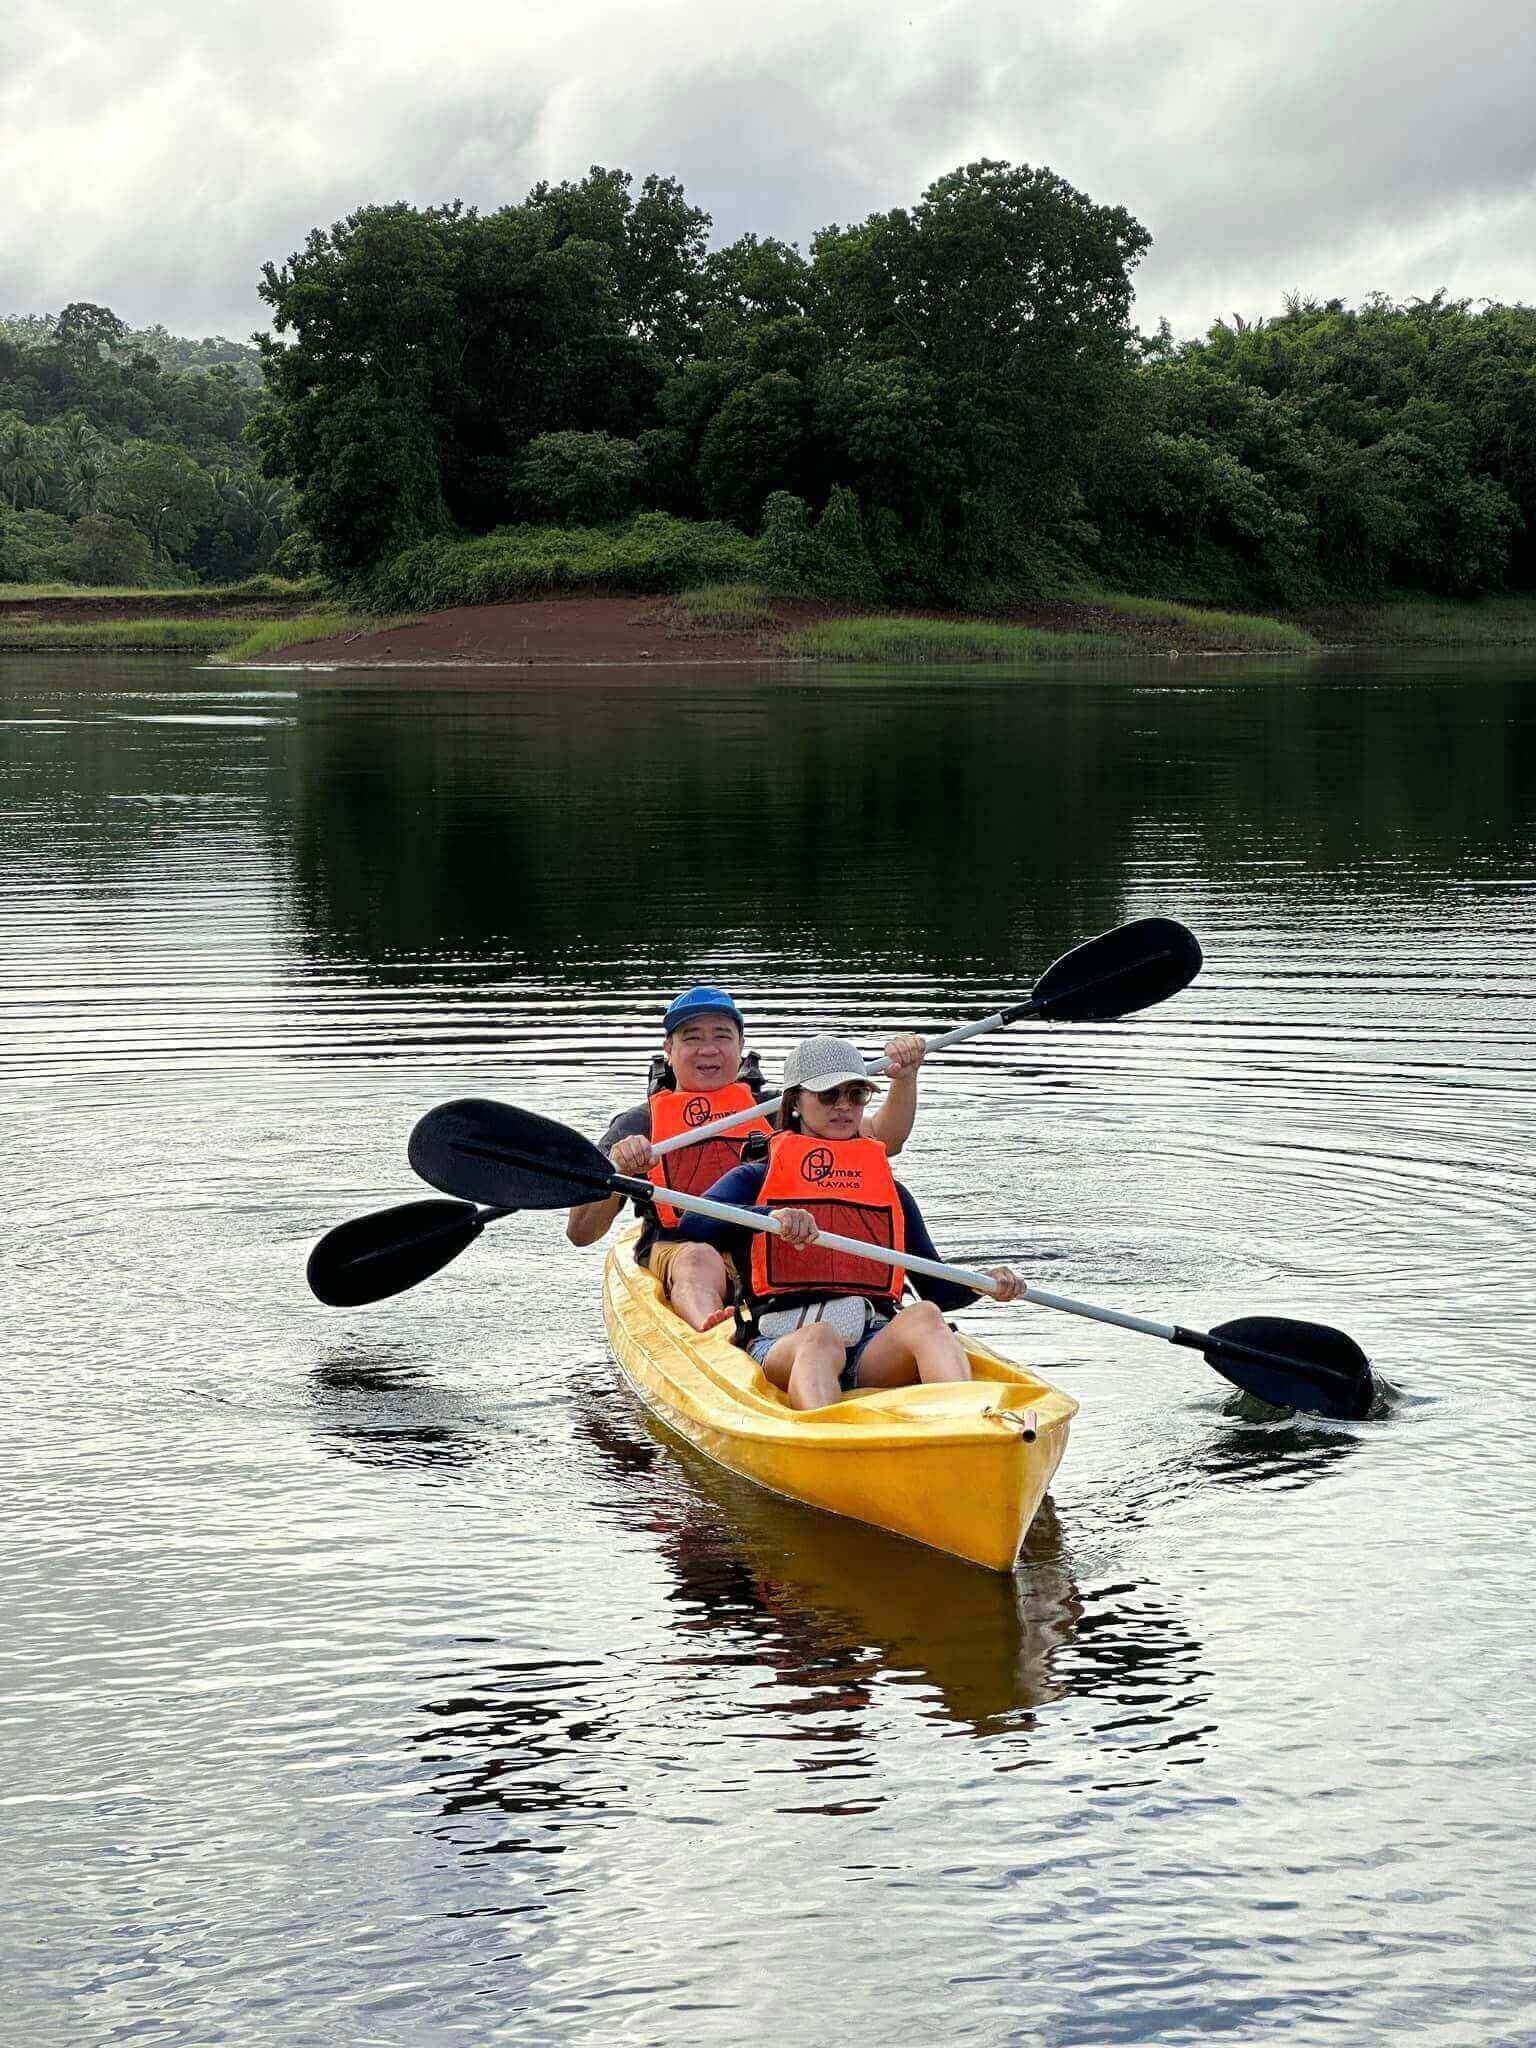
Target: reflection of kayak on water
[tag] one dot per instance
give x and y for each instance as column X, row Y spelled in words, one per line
column 840, row 1613
column 961, row 1466
column 836, row 1609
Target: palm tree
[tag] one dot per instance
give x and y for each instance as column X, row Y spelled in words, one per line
column 263, row 506
column 21, row 467
column 74, row 433
column 87, row 478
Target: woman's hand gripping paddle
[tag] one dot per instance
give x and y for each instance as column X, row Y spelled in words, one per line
column 1119, row 972
column 511, row 1159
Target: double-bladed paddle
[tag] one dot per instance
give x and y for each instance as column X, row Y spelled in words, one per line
column 1128, row 969
column 508, row 1158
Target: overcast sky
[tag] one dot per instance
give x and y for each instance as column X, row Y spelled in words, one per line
column 153, row 157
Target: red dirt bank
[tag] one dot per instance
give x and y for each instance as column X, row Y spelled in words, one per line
column 554, row 631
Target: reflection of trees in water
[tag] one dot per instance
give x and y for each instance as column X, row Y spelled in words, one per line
column 118, row 790
column 1361, row 764
column 559, row 822
column 999, row 818
column 548, row 822
column 384, row 1410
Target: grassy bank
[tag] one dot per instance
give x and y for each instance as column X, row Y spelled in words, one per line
column 1096, row 624
column 726, row 608
column 277, row 634
column 169, row 597
column 1430, row 622
column 880, row 639
column 42, row 617
column 1219, row 631
column 705, row 583
column 127, row 636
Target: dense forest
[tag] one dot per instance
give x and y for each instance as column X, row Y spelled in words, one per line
column 946, row 405
column 123, row 457
column 954, row 392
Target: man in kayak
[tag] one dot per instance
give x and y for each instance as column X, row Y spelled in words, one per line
column 823, row 1321
column 703, row 1032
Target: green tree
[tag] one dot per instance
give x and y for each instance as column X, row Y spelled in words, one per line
column 654, row 245
column 89, row 331
column 427, row 351
column 371, row 314
column 33, row 547
column 1005, row 298
column 581, row 479
column 161, row 491
column 750, row 282
column 1329, row 452
column 754, row 444
column 87, row 481
column 108, row 551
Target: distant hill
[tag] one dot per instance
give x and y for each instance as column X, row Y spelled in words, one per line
column 170, row 351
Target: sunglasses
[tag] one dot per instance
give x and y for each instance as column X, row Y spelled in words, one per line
column 856, row 1093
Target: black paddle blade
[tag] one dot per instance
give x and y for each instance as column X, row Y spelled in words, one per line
column 375, row 1256
column 1294, row 1365
column 1130, row 968
column 491, row 1152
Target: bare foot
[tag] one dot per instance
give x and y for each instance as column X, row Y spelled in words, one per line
column 721, row 1315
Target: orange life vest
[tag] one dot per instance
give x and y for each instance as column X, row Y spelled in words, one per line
column 849, row 1188
column 696, row 1167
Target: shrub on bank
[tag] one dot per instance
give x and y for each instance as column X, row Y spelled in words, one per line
column 651, row 553
column 830, row 559
column 585, row 479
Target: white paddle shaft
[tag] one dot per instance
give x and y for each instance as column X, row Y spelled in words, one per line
column 720, row 1124
column 934, row 1269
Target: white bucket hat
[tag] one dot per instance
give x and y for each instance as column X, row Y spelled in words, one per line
column 818, row 1063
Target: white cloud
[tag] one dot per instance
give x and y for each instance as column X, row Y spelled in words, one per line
column 154, row 161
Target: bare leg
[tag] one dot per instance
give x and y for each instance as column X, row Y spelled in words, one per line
column 806, row 1365
column 917, row 1345
column 697, row 1285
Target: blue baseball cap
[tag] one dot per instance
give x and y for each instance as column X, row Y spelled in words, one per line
column 700, row 1001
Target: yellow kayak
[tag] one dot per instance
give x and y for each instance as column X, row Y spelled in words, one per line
column 952, row 1466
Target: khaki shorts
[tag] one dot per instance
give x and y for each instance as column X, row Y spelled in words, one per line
column 659, row 1264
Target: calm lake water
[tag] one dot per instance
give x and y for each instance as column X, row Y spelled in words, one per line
column 378, row 1678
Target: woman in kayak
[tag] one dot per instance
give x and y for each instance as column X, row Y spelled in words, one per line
column 824, row 1322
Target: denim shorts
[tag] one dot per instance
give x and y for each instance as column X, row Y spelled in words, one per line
column 848, row 1378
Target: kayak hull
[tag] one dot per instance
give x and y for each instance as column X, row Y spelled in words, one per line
column 949, row 1466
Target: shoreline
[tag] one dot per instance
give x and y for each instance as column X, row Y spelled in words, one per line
column 198, row 620
column 580, row 630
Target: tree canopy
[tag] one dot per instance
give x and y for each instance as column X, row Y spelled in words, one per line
column 1330, row 452
column 944, row 403
column 951, row 365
